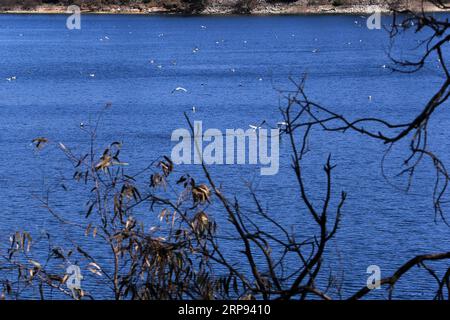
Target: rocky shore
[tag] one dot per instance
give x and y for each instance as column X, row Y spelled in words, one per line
column 223, row 7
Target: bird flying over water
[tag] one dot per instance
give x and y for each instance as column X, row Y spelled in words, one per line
column 179, row 89
column 254, row 128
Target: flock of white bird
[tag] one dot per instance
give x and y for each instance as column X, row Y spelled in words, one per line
column 281, row 124
column 233, row 70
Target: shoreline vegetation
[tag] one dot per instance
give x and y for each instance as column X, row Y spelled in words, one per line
column 214, row 7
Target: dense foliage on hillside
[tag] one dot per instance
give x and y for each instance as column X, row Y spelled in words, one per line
column 90, row 3
column 174, row 5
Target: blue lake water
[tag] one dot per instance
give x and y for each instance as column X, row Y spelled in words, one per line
column 231, row 69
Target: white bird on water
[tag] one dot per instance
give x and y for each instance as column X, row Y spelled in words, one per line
column 179, row 89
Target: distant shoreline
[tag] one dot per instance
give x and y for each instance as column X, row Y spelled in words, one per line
column 266, row 9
